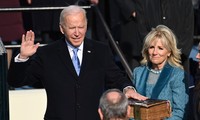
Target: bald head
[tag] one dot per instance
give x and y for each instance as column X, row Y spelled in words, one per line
column 113, row 104
column 113, row 97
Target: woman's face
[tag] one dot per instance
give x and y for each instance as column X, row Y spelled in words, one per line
column 158, row 54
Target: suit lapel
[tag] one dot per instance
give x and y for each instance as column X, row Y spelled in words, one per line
column 88, row 52
column 64, row 55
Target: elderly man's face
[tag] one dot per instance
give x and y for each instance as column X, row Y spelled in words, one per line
column 74, row 28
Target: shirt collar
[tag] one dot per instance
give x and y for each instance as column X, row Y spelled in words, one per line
column 70, row 47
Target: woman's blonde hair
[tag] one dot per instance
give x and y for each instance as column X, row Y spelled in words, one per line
column 168, row 39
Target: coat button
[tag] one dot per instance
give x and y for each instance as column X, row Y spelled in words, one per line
column 78, row 86
column 78, row 106
column 164, row 18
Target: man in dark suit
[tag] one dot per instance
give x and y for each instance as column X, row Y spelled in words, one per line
column 138, row 17
column 196, row 93
column 70, row 96
column 128, row 28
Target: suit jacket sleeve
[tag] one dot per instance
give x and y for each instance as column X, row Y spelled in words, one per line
column 20, row 73
column 186, row 37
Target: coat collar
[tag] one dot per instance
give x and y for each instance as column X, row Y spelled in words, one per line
column 162, row 80
column 64, row 55
column 63, row 52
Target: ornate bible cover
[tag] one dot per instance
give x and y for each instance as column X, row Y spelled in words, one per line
column 150, row 109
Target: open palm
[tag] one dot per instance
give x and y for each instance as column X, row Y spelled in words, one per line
column 28, row 47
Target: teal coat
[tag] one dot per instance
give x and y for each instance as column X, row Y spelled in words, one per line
column 170, row 86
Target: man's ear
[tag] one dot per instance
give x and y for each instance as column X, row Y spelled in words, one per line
column 100, row 114
column 61, row 29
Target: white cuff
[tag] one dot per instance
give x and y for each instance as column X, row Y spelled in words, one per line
column 128, row 87
column 17, row 59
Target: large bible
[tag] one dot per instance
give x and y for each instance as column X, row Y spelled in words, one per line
column 150, row 109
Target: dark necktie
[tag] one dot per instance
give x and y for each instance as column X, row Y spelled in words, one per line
column 76, row 61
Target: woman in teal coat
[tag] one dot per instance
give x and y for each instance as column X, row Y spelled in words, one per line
column 161, row 75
